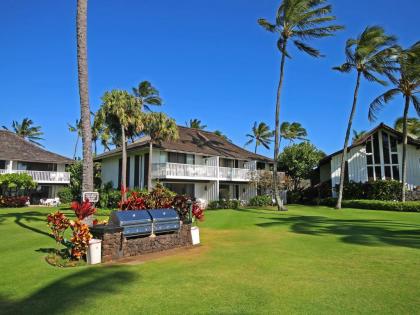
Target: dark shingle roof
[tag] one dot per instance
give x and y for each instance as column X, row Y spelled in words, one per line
column 195, row 141
column 14, row 147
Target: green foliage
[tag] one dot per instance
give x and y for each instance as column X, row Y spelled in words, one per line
column 299, row 161
column 26, row 130
column 13, row 201
column 19, row 183
column 413, row 126
column 375, row 190
column 224, row 204
column 261, row 201
column 65, row 195
column 195, row 124
column 292, row 131
column 408, row 206
column 261, row 135
column 76, row 175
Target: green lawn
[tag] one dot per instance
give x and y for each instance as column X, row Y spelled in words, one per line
column 307, row 260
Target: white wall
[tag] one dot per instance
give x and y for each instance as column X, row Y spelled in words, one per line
column 109, row 171
column 413, row 166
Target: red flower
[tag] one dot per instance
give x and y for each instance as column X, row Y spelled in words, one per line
column 84, row 209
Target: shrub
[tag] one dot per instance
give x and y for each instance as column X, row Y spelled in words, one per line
column 408, row 206
column 180, row 203
column 135, row 201
column 261, row 201
column 109, row 198
column 65, row 195
column 213, row 205
column 374, row 190
column 83, row 209
column 80, row 239
column 16, row 182
column 13, row 201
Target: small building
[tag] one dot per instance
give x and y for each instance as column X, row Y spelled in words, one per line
column 47, row 169
column 200, row 164
column 375, row 156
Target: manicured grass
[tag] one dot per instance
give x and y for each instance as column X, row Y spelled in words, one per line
column 309, row 260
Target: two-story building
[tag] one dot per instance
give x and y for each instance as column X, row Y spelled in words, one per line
column 200, row 164
column 47, row 169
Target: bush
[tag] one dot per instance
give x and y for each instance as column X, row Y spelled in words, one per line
column 261, row 201
column 213, row 205
column 65, row 195
column 13, row 201
column 386, row 190
column 109, row 199
column 408, row 206
column 224, row 204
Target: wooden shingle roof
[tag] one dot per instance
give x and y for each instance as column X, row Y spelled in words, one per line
column 15, row 148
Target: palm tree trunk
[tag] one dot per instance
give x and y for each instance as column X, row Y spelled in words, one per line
column 123, row 165
column 277, row 197
column 255, row 151
column 346, row 142
column 149, row 173
column 82, row 67
column 404, row 156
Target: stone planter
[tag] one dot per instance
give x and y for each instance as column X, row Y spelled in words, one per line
column 195, row 235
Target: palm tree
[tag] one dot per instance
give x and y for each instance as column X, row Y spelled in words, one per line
column 119, row 113
column 26, row 130
column 147, row 95
column 78, row 129
column 261, row 134
column 369, row 54
column 408, row 85
column 297, row 20
column 82, row 67
column 158, row 127
column 196, row 124
column 292, row 131
column 413, row 126
column 221, row 134
column 357, row 135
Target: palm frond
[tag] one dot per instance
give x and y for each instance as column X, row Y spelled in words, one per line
column 379, row 102
column 370, row 77
column 345, row 67
column 309, row 50
column 267, row 25
column 416, row 104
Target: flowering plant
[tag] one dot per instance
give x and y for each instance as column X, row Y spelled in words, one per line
column 134, row 202
column 58, row 224
column 83, row 209
column 197, row 212
column 80, row 239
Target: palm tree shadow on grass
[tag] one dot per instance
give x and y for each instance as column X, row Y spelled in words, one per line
column 22, row 218
column 360, row 232
column 76, row 289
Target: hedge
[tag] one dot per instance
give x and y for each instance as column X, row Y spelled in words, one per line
column 408, row 206
column 224, row 204
column 261, row 201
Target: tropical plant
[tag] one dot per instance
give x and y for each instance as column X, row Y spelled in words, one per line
column 221, row 134
column 357, row 135
column 297, row 20
column 58, row 224
column 82, row 67
column 159, row 127
column 80, row 239
column 413, row 126
column 261, row 135
column 369, row 54
column 147, row 95
column 78, row 129
column 18, row 183
column 27, row 131
column 120, row 113
column 83, row 209
column 408, row 85
column 196, row 124
column 292, row 131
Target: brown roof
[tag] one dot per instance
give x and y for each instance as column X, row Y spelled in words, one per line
column 195, row 141
column 362, row 141
column 14, row 147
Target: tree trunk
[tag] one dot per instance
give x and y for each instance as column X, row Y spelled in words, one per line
column 255, row 151
column 149, row 175
column 75, row 147
column 346, row 142
column 404, row 155
column 277, row 197
column 123, row 165
column 82, row 67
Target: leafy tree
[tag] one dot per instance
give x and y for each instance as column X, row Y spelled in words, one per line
column 26, row 130
column 261, row 135
column 299, row 161
column 196, row 124
column 357, row 135
column 82, row 67
column 158, row 127
column 371, row 53
column 221, row 134
column 120, row 113
column 292, row 131
column 17, row 182
column 147, row 95
column 407, row 84
column 297, row 21
column 413, row 126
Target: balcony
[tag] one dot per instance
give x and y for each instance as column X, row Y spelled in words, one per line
column 235, row 174
column 43, row 177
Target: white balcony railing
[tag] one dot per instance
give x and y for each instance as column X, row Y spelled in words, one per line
column 44, row 177
column 234, row 174
column 177, row 170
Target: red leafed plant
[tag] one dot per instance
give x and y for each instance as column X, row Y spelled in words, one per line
column 58, row 224
column 135, row 201
column 83, row 209
column 197, row 212
column 80, row 239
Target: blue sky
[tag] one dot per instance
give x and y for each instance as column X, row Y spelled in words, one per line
column 209, row 59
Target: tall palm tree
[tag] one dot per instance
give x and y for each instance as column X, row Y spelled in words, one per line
column 26, row 130
column 82, row 71
column 369, row 54
column 158, row 127
column 196, row 124
column 292, row 131
column 408, row 85
column 297, row 20
column 148, row 95
column 413, row 126
column 357, row 135
column 221, row 134
column 77, row 127
column 261, row 135
column 119, row 113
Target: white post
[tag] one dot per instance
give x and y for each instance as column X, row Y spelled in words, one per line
column 9, row 166
column 217, row 178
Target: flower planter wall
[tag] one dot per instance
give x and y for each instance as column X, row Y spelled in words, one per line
column 116, row 246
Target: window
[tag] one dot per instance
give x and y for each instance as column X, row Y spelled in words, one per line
column 2, row 164
column 181, row 188
column 175, row 157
